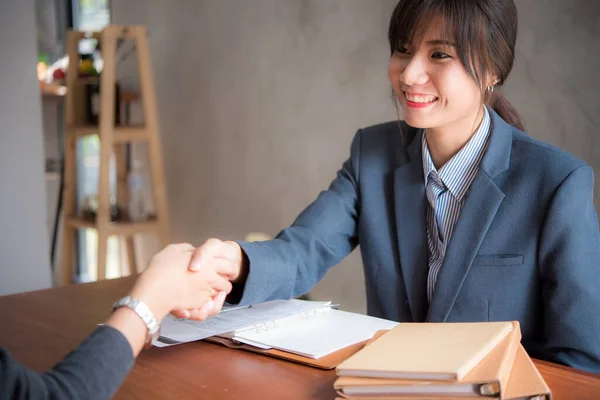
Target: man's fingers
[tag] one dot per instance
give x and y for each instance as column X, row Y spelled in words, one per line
column 219, row 300
column 213, row 307
column 200, row 314
column 222, row 267
column 195, row 315
column 231, row 251
column 221, row 284
column 210, row 249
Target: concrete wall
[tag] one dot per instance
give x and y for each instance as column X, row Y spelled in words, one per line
column 259, row 101
column 554, row 81
column 24, row 250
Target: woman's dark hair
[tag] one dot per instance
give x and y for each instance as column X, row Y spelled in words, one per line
column 484, row 31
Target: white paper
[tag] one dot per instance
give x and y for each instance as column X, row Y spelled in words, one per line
column 317, row 335
column 175, row 331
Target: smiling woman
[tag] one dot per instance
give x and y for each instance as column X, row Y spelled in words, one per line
column 460, row 215
column 442, row 70
column 478, row 40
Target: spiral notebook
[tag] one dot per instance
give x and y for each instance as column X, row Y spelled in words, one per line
column 311, row 333
column 176, row 331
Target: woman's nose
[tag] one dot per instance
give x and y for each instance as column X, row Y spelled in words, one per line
column 415, row 73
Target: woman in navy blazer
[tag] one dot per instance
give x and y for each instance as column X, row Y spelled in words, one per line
column 460, row 216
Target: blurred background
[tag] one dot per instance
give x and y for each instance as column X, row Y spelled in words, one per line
column 257, row 102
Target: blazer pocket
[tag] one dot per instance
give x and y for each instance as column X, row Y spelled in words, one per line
column 499, row 260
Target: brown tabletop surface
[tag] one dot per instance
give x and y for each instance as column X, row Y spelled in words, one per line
column 39, row 328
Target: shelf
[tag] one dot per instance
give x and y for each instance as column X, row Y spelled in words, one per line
column 88, row 80
column 58, row 88
column 116, row 228
column 122, row 134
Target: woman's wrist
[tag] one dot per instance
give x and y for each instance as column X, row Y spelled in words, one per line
column 126, row 321
column 157, row 305
column 133, row 323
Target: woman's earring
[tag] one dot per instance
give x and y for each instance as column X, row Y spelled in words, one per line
column 491, row 88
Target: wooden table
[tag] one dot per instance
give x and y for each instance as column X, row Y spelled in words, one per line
column 39, row 328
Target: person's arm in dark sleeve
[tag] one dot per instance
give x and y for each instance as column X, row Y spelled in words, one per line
column 94, row 370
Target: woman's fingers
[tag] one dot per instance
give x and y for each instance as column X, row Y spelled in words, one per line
column 179, row 313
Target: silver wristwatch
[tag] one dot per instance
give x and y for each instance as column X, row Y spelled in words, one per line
column 145, row 314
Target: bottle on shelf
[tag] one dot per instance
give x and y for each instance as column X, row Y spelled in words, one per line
column 137, row 183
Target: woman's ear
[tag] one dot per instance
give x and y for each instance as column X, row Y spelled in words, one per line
column 492, row 80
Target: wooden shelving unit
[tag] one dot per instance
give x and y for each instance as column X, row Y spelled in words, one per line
column 113, row 139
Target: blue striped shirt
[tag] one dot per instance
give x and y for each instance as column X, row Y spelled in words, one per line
column 446, row 191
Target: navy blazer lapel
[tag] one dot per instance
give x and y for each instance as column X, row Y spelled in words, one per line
column 410, row 208
column 481, row 204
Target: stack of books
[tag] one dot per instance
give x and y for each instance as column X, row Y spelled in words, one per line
column 443, row 361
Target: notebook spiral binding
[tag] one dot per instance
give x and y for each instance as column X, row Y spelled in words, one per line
column 264, row 326
column 274, row 324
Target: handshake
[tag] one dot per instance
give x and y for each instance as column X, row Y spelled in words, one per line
column 191, row 282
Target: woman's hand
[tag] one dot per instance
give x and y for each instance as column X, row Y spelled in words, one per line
column 225, row 256
column 168, row 284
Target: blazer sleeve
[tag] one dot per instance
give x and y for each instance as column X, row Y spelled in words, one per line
column 570, row 273
column 320, row 237
column 94, row 370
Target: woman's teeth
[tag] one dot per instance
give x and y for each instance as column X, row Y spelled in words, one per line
column 419, row 98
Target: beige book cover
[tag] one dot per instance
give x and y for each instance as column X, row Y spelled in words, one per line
column 488, row 378
column 427, row 351
column 525, row 380
column 525, row 383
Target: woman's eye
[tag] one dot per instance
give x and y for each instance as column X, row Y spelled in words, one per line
column 402, row 50
column 439, row 55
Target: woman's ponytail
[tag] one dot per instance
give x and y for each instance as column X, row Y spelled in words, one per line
column 504, row 109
